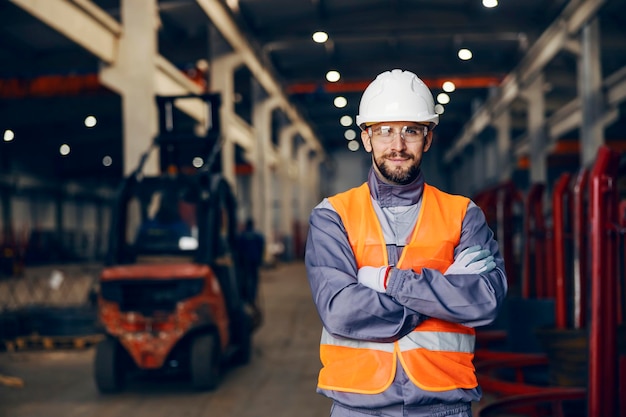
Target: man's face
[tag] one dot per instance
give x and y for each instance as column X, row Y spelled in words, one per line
column 396, row 160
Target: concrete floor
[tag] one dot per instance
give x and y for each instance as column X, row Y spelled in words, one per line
column 279, row 382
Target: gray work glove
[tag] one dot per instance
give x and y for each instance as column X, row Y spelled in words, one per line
column 472, row 260
column 372, row 277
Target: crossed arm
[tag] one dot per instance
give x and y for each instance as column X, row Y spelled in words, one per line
column 353, row 310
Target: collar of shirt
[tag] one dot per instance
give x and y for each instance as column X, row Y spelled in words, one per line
column 389, row 195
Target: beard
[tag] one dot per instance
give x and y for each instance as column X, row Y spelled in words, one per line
column 398, row 175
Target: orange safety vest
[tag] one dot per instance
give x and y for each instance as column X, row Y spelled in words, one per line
column 437, row 355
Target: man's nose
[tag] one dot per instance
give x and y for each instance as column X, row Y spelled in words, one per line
column 397, row 141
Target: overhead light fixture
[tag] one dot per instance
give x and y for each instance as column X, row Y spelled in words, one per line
column 64, row 149
column 443, row 98
column 465, row 54
column 448, row 86
column 340, row 102
column 345, row 120
column 107, row 161
column 90, row 121
column 349, row 134
column 333, row 76
column 197, row 162
column 320, row 37
column 202, row 65
column 8, row 135
column 439, row 109
column 490, row 3
column 353, row 145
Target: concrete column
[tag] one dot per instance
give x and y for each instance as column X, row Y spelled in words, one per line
column 491, row 156
column 590, row 90
column 502, row 123
column 479, row 163
column 262, row 181
column 286, row 140
column 310, row 186
column 134, row 76
column 536, row 132
column 304, row 207
column 314, row 175
column 223, row 82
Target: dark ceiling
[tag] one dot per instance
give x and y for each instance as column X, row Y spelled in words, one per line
column 47, row 85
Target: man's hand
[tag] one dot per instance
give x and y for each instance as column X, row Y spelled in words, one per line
column 373, row 277
column 472, row 260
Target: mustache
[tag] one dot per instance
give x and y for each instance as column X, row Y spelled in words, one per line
column 399, row 155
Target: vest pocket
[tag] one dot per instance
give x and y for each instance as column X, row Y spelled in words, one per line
column 358, row 370
column 439, row 370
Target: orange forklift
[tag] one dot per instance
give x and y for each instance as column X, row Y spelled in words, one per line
column 170, row 295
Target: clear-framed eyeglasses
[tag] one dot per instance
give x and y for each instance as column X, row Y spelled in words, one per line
column 410, row 133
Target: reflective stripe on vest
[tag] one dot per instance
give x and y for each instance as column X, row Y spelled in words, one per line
column 437, row 355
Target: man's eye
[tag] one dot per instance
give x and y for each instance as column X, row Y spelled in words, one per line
column 412, row 131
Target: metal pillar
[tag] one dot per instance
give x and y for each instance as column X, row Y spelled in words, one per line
column 603, row 393
column 562, row 232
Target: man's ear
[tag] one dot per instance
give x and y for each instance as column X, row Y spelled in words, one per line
column 428, row 141
column 367, row 141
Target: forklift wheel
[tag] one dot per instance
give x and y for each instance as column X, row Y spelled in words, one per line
column 205, row 361
column 109, row 367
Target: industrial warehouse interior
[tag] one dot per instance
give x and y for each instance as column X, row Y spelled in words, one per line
column 246, row 109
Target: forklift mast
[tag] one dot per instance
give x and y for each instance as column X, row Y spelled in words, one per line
column 189, row 189
column 184, row 142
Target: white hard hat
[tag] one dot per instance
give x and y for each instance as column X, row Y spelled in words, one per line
column 397, row 96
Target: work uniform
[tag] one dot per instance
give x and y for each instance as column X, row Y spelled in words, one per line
column 375, row 346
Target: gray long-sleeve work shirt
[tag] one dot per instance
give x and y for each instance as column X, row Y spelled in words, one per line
column 350, row 310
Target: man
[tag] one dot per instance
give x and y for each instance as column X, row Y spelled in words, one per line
column 400, row 272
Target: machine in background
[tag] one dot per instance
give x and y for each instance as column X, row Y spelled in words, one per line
column 170, row 294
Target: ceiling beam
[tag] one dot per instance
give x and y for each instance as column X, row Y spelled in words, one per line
column 85, row 24
column 261, row 71
column 550, row 43
column 473, row 81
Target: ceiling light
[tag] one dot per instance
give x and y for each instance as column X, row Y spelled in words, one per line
column 449, row 86
column 345, row 120
column 340, row 102
column 465, row 54
column 443, row 98
column 439, row 109
column 197, row 162
column 333, row 76
column 349, row 134
column 353, row 145
column 490, row 3
column 202, row 65
column 320, row 37
column 64, row 149
column 90, row 121
column 107, row 161
column 8, row 135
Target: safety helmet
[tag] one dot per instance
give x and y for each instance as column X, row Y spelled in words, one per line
column 396, row 96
